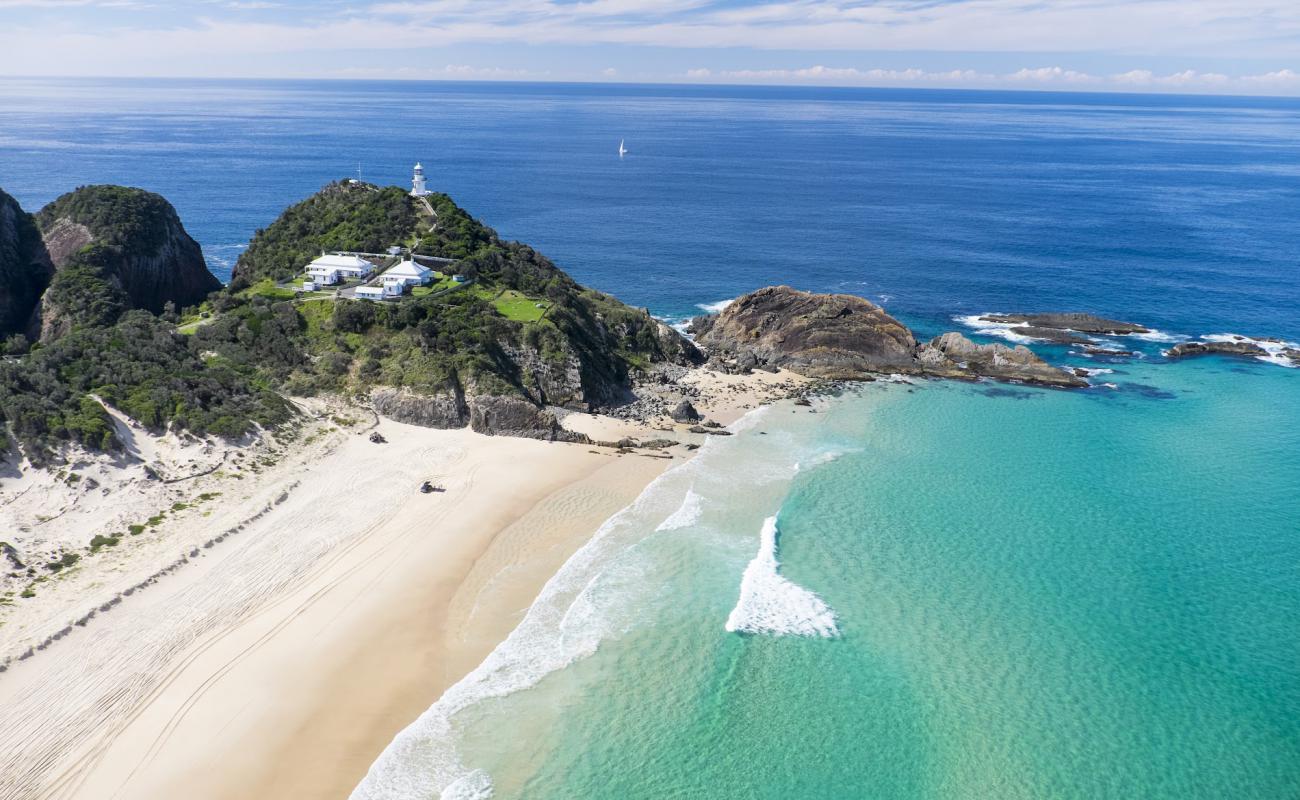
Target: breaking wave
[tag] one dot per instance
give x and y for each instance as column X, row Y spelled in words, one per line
column 1004, row 330
column 1154, row 335
column 686, row 515
column 770, row 604
column 1273, row 348
column 715, row 308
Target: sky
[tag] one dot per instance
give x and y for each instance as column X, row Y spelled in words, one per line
column 1189, row 46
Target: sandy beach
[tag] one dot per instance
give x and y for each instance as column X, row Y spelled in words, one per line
column 280, row 661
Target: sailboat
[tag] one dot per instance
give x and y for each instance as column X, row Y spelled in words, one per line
column 622, row 151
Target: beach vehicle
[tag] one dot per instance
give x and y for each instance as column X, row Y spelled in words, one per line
column 378, row 438
column 427, row 487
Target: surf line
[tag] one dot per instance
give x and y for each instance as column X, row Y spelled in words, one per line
column 770, row 604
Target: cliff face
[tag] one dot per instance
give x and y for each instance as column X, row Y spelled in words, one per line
column 139, row 244
column 25, row 268
column 819, row 335
column 848, row 338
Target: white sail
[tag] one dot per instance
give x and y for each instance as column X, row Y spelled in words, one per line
column 622, row 151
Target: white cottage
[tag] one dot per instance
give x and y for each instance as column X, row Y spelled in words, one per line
column 330, row 269
column 383, row 292
column 408, row 273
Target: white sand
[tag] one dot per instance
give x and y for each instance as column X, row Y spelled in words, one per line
column 280, row 662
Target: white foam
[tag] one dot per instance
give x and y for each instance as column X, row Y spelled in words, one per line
column 1272, row 349
column 771, row 604
column 824, row 457
column 686, row 515
column 1004, row 330
column 715, row 308
column 1154, row 335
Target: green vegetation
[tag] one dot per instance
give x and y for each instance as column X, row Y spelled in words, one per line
column 520, row 326
column 103, row 541
column 269, row 289
column 342, row 216
column 139, row 365
column 518, row 307
column 66, row 561
column 24, row 271
column 116, row 215
column 83, row 293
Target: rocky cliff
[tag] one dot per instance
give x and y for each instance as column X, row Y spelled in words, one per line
column 139, row 248
column 819, row 335
column 25, row 268
column 847, row 337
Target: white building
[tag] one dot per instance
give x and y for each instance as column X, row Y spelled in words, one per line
column 417, row 183
column 382, row 292
column 408, row 273
column 328, row 269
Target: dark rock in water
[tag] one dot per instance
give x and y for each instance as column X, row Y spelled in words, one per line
column 1239, row 346
column 1102, row 351
column 1148, row 391
column 1002, row 391
column 1054, row 335
column 843, row 337
column 819, row 335
column 685, row 412
column 954, row 356
column 802, row 401
column 1069, row 321
column 710, row 431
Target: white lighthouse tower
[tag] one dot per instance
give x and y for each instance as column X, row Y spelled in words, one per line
column 417, row 183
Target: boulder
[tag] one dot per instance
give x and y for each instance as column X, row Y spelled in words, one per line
column 685, row 412
column 954, row 356
column 818, row 335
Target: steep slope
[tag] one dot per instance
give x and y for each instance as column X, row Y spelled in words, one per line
column 25, row 268
column 128, row 239
column 517, row 336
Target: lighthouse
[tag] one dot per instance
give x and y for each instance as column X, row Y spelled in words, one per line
column 417, row 183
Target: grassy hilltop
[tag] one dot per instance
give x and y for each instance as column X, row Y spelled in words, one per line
column 518, row 330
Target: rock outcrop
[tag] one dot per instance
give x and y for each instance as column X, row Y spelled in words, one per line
column 685, row 412
column 25, row 268
column 844, row 337
column 512, row 415
column 1068, row 321
column 954, row 356
column 1237, row 346
column 495, row 415
column 444, row 409
column 835, row 336
column 139, row 244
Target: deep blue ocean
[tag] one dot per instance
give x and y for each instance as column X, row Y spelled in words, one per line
column 1178, row 211
column 925, row 589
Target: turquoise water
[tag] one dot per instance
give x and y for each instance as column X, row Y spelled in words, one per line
column 1039, row 594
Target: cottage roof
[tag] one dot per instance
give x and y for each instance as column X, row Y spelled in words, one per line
column 407, row 269
column 335, row 261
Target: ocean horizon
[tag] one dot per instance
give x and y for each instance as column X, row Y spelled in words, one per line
column 923, row 589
